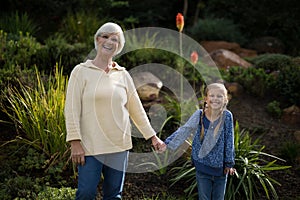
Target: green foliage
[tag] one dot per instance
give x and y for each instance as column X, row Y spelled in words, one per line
column 273, row 108
column 287, row 85
column 81, row 27
column 291, row 152
column 39, row 113
column 20, row 51
column 65, row 193
column 217, row 29
column 57, row 49
column 252, row 170
column 254, row 80
column 272, row 62
column 20, row 187
column 14, row 23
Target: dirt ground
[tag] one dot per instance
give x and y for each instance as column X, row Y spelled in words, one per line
column 250, row 112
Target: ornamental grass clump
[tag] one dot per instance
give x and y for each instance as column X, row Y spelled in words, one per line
column 38, row 114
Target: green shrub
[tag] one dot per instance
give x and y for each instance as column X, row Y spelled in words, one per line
column 272, row 62
column 254, row 80
column 217, row 29
column 39, row 114
column 273, row 108
column 58, row 50
column 290, row 151
column 14, row 23
column 81, row 27
column 287, row 85
column 19, row 187
column 65, row 193
column 20, row 51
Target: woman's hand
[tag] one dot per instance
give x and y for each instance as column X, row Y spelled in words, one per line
column 229, row 170
column 158, row 145
column 77, row 152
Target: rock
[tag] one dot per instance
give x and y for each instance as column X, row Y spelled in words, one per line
column 291, row 115
column 211, row 46
column 297, row 136
column 234, row 89
column 147, row 85
column 224, row 59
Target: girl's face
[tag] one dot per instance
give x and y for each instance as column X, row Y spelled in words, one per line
column 108, row 44
column 215, row 99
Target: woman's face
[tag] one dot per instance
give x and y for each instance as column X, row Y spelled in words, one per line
column 215, row 99
column 108, row 44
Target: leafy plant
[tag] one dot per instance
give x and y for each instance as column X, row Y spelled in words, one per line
column 217, row 29
column 81, row 27
column 272, row 62
column 14, row 23
column 65, row 193
column 291, row 151
column 20, row 51
column 273, row 108
column 39, row 115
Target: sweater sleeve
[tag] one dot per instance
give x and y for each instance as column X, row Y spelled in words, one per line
column 136, row 109
column 182, row 133
column 229, row 140
column 72, row 108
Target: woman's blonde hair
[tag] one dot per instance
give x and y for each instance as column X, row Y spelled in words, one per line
column 111, row 27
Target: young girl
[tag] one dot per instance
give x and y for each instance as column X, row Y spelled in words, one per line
column 213, row 143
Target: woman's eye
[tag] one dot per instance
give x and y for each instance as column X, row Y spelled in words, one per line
column 104, row 36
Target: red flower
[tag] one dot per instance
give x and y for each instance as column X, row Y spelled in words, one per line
column 179, row 22
column 194, row 57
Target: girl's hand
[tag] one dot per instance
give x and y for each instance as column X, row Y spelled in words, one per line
column 230, row 171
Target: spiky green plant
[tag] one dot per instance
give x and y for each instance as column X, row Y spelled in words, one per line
column 38, row 114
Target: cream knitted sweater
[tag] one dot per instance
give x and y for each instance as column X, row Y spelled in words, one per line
column 98, row 107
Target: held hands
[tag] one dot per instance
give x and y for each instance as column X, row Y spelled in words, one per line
column 230, row 171
column 158, row 145
column 77, row 152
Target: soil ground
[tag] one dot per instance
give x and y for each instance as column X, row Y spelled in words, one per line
column 250, row 112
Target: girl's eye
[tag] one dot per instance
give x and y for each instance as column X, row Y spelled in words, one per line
column 114, row 40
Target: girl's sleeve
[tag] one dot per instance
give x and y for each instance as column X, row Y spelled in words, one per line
column 182, row 133
column 229, row 140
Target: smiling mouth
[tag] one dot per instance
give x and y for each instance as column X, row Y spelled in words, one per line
column 106, row 47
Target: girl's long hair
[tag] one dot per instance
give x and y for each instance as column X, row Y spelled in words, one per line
column 221, row 112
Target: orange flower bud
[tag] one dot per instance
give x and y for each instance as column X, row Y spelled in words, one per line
column 194, row 57
column 179, row 22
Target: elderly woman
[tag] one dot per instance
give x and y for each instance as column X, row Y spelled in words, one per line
column 101, row 97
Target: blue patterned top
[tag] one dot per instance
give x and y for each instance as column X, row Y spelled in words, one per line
column 221, row 152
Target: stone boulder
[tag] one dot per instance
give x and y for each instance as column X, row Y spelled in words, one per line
column 291, row 115
column 211, row 46
column 225, row 58
column 147, row 85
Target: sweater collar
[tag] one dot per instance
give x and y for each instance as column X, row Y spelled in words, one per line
column 115, row 65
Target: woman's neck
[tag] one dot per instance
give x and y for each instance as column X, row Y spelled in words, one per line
column 102, row 62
